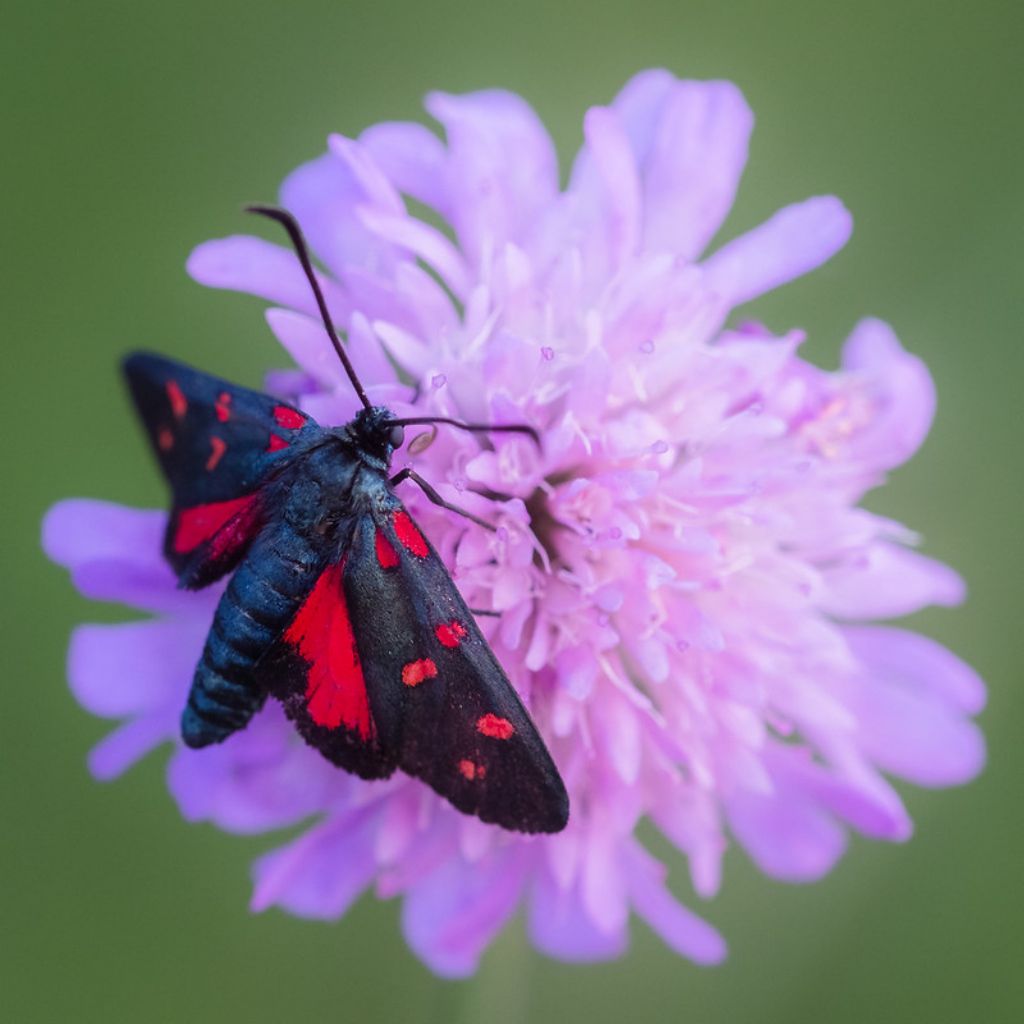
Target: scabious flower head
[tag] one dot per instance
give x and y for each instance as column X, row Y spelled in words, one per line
column 687, row 588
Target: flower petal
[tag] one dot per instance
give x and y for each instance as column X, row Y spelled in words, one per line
column 789, row 244
column 80, row 530
column 698, row 155
column 902, row 390
column 681, row 929
column 885, row 581
column 306, row 341
column 848, row 787
column 561, row 927
column 321, row 873
column 910, row 703
column 117, row 752
column 115, row 554
column 423, row 241
column 258, row 779
column 450, row 917
column 917, row 739
column 640, row 103
column 498, row 198
column 615, row 188
column 325, row 196
column 786, row 834
column 132, row 667
column 413, row 158
column 246, row 264
column 918, row 664
column 149, row 588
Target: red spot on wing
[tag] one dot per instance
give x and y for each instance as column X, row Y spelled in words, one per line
column 223, row 523
column 223, row 407
column 322, row 634
column 288, row 418
column 410, row 538
column 165, row 439
column 276, row 443
column 386, row 554
column 471, row 770
column 417, row 671
column 495, row 727
column 179, row 403
column 217, row 450
column 450, row 634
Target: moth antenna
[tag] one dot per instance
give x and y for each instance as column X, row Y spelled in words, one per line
column 291, row 225
column 483, row 428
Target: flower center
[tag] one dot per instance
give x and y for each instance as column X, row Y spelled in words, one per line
column 544, row 524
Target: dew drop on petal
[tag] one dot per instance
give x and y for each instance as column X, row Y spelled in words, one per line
column 421, row 442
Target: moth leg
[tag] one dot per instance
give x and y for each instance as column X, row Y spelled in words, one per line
column 411, row 474
column 484, row 611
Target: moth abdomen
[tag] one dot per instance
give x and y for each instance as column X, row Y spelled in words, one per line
column 260, row 600
column 216, row 707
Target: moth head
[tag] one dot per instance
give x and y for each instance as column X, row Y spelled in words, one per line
column 375, row 434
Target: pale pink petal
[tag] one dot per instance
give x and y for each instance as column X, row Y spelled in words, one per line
column 113, row 553
column 367, row 174
column 151, row 588
column 910, row 703
column 681, row 929
column 787, row 835
column 258, row 779
column 501, row 166
column 436, row 313
column 412, row 157
column 902, row 391
column 791, row 243
column 916, row 739
column 615, row 185
column 307, row 343
column 885, row 580
column 304, row 339
column 640, row 104
column 133, row 667
column 561, row 927
column 129, row 743
column 80, row 530
column 851, row 790
column 246, row 264
column 325, row 196
column 423, row 241
column 602, row 885
column 694, row 168
column 450, row 917
column 321, row 873
column 918, row 664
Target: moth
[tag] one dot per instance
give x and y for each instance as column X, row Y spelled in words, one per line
column 338, row 606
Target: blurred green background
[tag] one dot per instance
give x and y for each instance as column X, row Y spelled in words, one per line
column 134, row 130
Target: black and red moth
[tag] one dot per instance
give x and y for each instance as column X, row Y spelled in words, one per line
column 338, row 606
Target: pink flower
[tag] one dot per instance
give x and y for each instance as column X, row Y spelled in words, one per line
column 683, row 574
